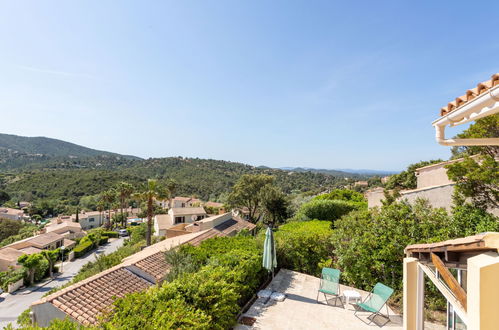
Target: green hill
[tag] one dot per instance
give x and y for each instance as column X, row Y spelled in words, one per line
column 20, row 151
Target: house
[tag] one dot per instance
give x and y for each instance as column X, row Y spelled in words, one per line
column 227, row 224
column 8, row 258
column 176, row 216
column 471, row 294
column 433, row 185
column 471, row 289
column 385, row 179
column 161, row 223
column 12, row 214
column 179, row 201
column 84, row 302
column 66, row 228
column 186, row 214
column 87, row 220
column 47, row 241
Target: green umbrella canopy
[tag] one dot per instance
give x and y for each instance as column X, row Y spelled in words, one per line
column 269, row 256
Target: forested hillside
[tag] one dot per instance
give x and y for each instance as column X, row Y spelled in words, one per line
column 21, row 151
column 207, row 179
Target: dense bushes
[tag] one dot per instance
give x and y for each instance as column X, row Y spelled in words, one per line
column 111, row 234
column 324, row 209
column 304, row 246
column 11, row 276
column 369, row 245
column 83, row 248
column 225, row 273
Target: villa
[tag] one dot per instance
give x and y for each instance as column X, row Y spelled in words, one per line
column 47, row 241
column 12, row 214
column 85, row 301
column 464, row 270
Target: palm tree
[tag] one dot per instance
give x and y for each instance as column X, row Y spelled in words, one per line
column 148, row 194
column 109, row 196
column 172, row 186
column 124, row 190
column 100, row 208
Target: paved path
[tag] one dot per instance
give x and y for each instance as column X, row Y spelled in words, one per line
column 12, row 305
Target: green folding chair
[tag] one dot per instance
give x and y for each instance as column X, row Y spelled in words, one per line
column 330, row 284
column 374, row 302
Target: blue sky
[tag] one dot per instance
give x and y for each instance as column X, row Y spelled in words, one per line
column 329, row 84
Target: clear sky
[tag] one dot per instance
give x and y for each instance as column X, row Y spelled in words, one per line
column 329, row 84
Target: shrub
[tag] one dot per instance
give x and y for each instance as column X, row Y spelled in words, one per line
column 223, row 274
column 369, row 245
column 304, row 246
column 103, row 240
column 343, row 195
column 83, row 247
column 11, row 276
column 110, row 234
column 324, row 209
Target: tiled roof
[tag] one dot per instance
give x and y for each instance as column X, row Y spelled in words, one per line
column 87, row 299
column 481, row 241
column 10, row 254
column 154, row 265
column 480, row 89
column 30, row 250
column 187, row 210
column 8, row 210
column 96, row 295
column 45, row 239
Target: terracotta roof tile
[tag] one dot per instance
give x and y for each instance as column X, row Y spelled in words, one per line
column 470, row 94
column 94, row 297
column 86, row 300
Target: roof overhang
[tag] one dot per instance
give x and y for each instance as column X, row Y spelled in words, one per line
column 483, row 105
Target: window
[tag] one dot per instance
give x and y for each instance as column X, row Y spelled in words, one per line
column 200, row 217
column 58, row 244
column 91, row 219
column 179, row 220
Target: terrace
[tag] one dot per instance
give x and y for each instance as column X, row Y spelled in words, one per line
column 300, row 310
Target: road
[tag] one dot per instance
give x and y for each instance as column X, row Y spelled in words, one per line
column 12, row 305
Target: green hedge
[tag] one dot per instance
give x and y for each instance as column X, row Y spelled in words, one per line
column 83, row 248
column 304, row 246
column 11, row 276
column 225, row 273
column 324, row 209
column 103, row 240
column 110, row 234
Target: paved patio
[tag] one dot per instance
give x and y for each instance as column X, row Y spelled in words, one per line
column 300, row 309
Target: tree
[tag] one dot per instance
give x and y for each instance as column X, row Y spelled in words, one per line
column 246, row 193
column 148, row 194
column 274, row 205
column 30, row 262
column 51, row 256
column 478, row 177
column 109, row 197
column 9, row 228
column 172, row 187
column 407, row 179
column 101, row 206
column 124, row 190
column 487, row 127
column 4, row 197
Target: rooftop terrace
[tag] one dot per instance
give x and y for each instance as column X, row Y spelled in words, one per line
column 300, row 309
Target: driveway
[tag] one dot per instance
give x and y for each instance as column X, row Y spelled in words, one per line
column 12, row 305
